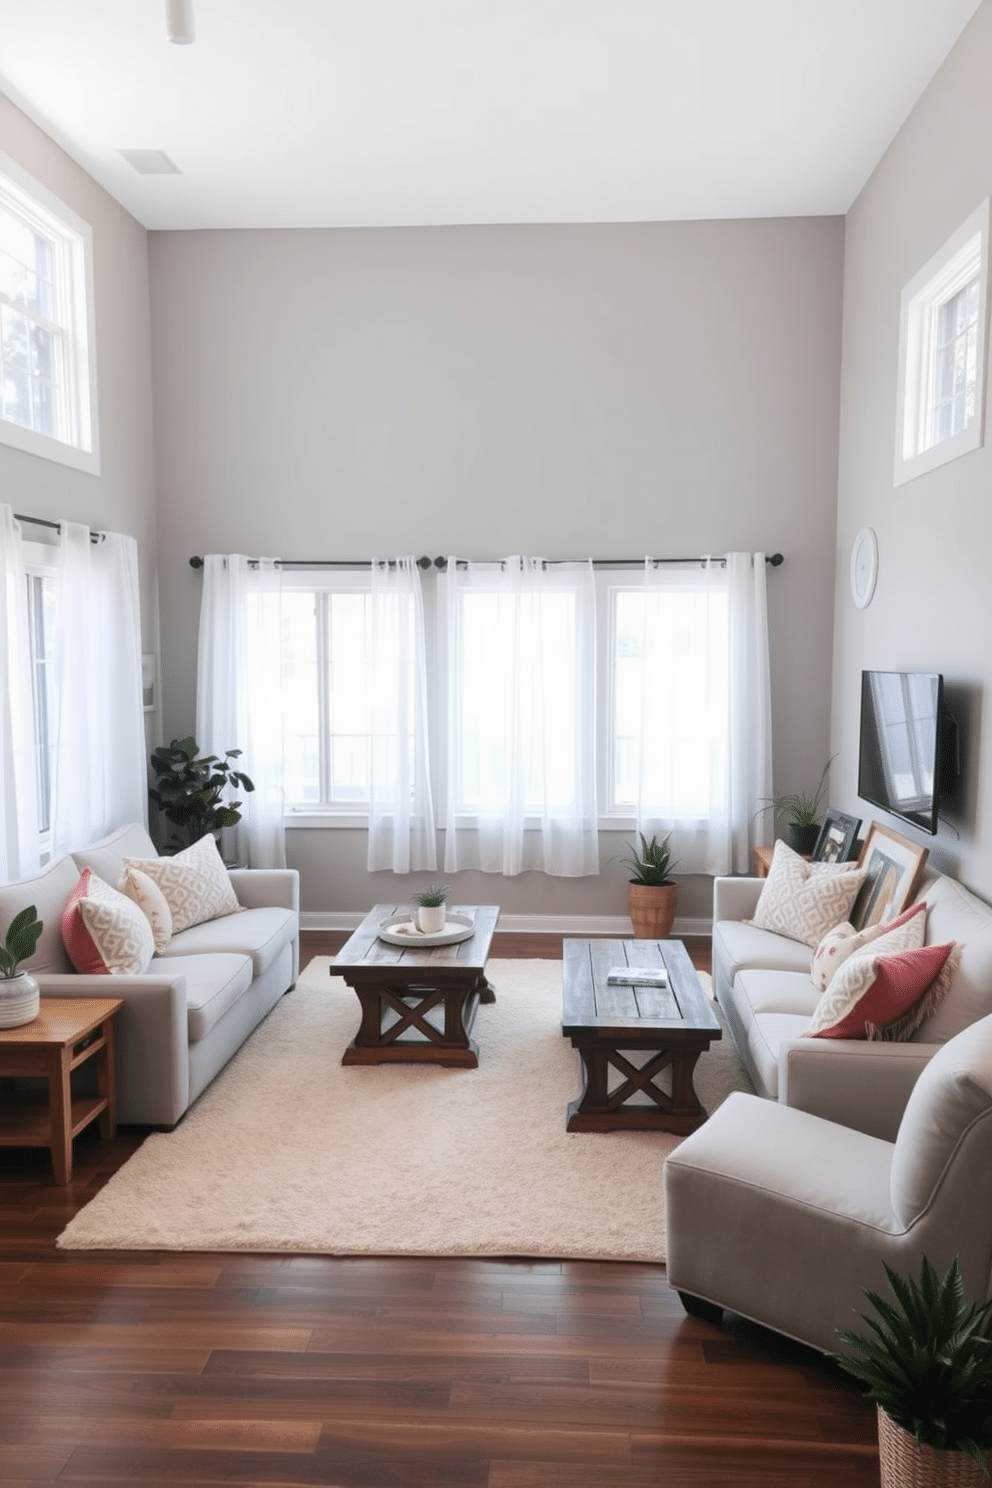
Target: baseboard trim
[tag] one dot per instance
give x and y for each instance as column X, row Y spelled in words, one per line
column 578, row 925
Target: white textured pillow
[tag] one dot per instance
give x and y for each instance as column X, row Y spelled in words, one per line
column 120, row 937
column 195, row 883
column 906, row 933
column 804, row 900
column 151, row 901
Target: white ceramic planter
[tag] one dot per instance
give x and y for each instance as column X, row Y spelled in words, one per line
column 18, row 1000
column 430, row 918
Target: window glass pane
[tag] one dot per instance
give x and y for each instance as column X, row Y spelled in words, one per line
column 349, row 728
column 42, row 607
column 301, row 698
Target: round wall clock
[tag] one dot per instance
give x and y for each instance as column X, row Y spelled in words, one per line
column 864, row 567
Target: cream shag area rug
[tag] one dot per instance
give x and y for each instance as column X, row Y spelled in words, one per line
column 288, row 1150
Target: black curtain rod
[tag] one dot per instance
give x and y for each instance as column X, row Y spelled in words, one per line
column 774, row 559
column 55, row 526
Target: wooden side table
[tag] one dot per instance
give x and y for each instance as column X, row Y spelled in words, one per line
column 67, row 1032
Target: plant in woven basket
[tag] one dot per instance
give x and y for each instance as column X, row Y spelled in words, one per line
column 652, row 894
column 926, row 1359
column 653, row 864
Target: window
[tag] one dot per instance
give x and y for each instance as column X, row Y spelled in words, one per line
column 942, row 352
column 47, row 371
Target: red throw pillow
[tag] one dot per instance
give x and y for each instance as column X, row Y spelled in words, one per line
column 870, row 992
column 78, row 942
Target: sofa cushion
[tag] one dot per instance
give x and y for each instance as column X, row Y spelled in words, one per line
column 106, row 857
column 765, row 1037
column 777, row 992
column 953, row 1094
column 195, row 883
column 214, row 984
column 872, row 991
column 104, row 932
column 151, row 901
column 902, row 934
column 738, row 945
column 49, row 892
column 955, row 914
column 804, row 900
column 258, row 933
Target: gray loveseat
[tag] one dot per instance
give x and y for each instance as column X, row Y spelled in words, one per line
column 762, row 982
column 201, row 996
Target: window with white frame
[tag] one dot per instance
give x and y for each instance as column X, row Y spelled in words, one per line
column 42, row 586
column 942, row 353
column 47, row 363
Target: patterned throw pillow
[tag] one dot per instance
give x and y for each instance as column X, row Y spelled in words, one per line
column 104, row 932
column 874, row 996
column 195, row 883
column 904, row 934
column 151, row 901
column 804, row 900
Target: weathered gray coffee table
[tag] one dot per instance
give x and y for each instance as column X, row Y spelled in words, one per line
column 418, row 1005
column 673, row 1024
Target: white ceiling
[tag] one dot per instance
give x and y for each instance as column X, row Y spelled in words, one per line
column 388, row 112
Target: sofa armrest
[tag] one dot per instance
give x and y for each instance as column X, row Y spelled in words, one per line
column 260, row 888
column 735, row 898
column 853, row 1082
column 151, row 1040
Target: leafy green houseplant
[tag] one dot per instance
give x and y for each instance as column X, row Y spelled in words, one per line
column 429, row 911
column 652, row 895
column 926, row 1359
column 190, row 788
column 18, row 989
column 801, row 812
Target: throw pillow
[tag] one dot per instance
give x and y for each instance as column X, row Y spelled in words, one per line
column 151, row 901
column 903, row 934
column 804, row 900
column 195, row 883
column 104, row 932
column 871, row 992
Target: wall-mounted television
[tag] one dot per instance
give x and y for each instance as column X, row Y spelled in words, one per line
column 908, row 745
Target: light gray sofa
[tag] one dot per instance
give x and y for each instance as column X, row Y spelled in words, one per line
column 761, row 981
column 202, row 995
column 785, row 1217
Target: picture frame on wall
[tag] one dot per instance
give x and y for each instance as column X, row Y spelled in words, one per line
column 838, row 835
column 894, row 865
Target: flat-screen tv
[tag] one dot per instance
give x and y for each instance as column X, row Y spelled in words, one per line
column 904, row 732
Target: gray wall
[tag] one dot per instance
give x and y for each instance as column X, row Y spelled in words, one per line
column 601, row 390
column 932, row 604
column 122, row 497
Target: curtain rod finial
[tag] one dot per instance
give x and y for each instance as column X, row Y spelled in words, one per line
column 196, row 562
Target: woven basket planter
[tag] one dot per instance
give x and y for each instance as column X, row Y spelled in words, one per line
column 652, row 909
column 907, row 1464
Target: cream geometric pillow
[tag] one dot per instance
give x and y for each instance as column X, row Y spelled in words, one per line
column 804, row 900
column 151, row 901
column 906, row 933
column 195, row 883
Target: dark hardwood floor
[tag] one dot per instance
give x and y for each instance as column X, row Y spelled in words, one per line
column 156, row 1368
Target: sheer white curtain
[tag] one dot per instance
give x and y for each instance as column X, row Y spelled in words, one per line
column 521, row 769
column 19, row 844
column 701, row 711
column 99, row 775
column 401, row 815
column 239, row 693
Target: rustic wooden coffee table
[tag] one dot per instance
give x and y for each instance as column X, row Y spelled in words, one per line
column 672, row 1024
column 418, row 1005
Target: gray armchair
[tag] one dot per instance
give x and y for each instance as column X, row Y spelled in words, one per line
column 784, row 1217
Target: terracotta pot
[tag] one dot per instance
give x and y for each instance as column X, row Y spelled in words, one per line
column 652, row 909
column 18, row 1000
column 905, row 1463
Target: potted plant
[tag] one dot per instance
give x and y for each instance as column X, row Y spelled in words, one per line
column 429, row 908
column 19, row 989
column 927, row 1361
column 801, row 813
column 652, row 895
column 190, row 790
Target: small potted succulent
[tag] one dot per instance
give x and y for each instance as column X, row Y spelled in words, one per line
column 926, row 1359
column 652, row 894
column 429, row 908
column 19, row 997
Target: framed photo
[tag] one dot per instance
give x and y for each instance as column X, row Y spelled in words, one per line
column 837, row 837
column 894, row 866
